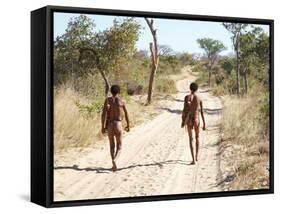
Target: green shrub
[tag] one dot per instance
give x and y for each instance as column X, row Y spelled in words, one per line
column 165, row 85
column 124, row 92
column 219, row 90
column 203, row 76
column 89, row 110
column 263, row 105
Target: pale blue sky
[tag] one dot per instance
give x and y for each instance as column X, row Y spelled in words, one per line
column 180, row 35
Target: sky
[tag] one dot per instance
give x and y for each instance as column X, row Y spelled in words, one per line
column 180, row 35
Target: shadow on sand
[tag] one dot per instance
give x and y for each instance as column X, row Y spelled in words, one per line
column 108, row 170
column 206, row 110
column 174, row 111
column 178, row 100
column 213, row 111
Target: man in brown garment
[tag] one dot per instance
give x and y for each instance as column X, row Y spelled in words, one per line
column 112, row 115
column 190, row 117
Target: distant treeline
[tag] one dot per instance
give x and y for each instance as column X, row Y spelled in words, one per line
column 247, row 68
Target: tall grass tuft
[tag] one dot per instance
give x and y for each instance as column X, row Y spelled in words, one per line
column 73, row 126
column 245, row 134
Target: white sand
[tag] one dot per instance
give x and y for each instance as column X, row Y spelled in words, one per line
column 155, row 159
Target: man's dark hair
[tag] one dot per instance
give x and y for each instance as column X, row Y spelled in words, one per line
column 193, row 86
column 115, row 89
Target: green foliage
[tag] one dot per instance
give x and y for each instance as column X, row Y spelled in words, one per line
column 230, row 84
column 165, row 50
column 165, row 85
column 186, row 59
column 66, row 49
column 236, row 30
column 211, row 47
column 254, row 63
column 255, row 54
column 124, row 92
column 115, row 46
column 228, row 64
column 169, row 65
column 219, row 90
column 201, row 68
column 203, row 74
column 263, row 105
column 89, row 110
column 81, row 50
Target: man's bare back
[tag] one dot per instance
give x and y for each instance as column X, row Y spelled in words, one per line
column 193, row 105
column 114, row 110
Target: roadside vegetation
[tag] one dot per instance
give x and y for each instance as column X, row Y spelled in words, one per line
column 242, row 82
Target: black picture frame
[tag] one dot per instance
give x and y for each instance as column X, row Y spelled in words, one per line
column 42, row 105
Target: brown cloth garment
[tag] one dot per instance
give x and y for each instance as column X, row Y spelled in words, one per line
column 190, row 114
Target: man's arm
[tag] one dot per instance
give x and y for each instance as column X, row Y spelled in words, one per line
column 103, row 116
column 127, row 128
column 202, row 114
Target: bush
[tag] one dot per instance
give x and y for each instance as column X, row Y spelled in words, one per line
column 247, row 143
column 89, row 110
column 134, row 88
column 263, row 105
column 219, row 90
column 228, row 65
column 165, row 85
column 169, row 65
column 71, row 128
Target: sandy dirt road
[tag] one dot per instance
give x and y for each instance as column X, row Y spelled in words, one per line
column 155, row 158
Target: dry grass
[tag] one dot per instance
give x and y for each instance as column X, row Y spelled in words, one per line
column 245, row 145
column 72, row 129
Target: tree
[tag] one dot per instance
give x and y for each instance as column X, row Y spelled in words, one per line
column 87, row 51
column 154, row 59
column 236, row 29
column 66, row 49
column 186, row 58
column 228, row 64
column 212, row 49
column 112, row 48
column 247, row 56
column 165, row 50
column 254, row 51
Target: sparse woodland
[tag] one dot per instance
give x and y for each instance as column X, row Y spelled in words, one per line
column 87, row 62
column 242, row 81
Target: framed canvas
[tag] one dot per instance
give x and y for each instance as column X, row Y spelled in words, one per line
column 133, row 106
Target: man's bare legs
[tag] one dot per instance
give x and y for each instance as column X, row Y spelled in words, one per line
column 115, row 131
column 196, row 142
column 189, row 129
column 118, row 135
column 119, row 147
column 112, row 146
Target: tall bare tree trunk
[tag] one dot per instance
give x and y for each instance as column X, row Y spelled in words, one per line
column 97, row 61
column 246, row 83
column 245, row 80
column 106, row 82
column 238, row 66
column 154, row 59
